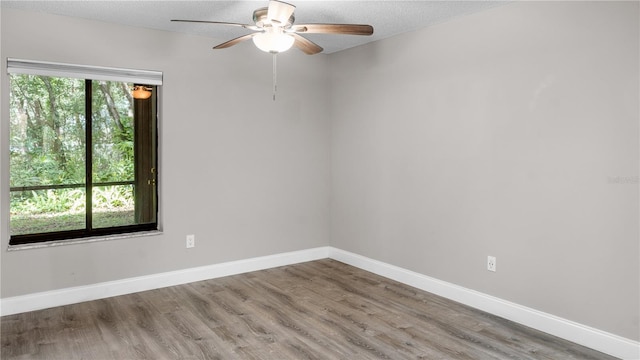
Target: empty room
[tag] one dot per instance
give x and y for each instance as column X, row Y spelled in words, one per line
column 320, row 180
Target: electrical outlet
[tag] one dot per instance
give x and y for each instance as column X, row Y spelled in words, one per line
column 491, row 263
column 191, row 241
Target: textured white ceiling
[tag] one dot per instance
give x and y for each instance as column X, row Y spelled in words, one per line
column 387, row 17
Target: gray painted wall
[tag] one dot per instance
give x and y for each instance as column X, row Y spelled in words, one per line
column 246, row 175
column 500, row 133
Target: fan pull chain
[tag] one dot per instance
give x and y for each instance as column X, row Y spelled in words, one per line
column 275, row 76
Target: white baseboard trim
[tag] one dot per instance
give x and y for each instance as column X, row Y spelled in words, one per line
column 602, row 341
column 584, row 335
column 73, row 295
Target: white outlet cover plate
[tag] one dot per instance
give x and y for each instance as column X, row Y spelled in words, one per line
column 491, row 263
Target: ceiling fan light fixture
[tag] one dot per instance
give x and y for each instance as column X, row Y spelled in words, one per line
column 273, row 40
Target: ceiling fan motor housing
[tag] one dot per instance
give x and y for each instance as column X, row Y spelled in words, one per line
column 261, row 20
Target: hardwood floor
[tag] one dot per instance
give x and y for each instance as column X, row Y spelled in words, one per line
column 317, row 310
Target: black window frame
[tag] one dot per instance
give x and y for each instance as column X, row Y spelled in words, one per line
column 151, row 179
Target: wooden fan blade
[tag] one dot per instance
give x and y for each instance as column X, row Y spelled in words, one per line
column 232, row 42
column 279, row 12
column 246, row 26
column 307, row 46
column 347, row 29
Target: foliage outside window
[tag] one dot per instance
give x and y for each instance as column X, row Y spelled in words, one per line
column 82, row 158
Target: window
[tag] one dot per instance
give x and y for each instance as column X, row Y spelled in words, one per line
column 83, row 152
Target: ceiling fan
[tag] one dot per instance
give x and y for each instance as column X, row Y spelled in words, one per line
column 274, row 30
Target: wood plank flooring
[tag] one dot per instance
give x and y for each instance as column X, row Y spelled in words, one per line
column 317, row 310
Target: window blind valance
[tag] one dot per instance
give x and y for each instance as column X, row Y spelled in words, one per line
column 31, row 67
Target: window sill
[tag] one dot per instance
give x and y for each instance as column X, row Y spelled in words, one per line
column 49, row 244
